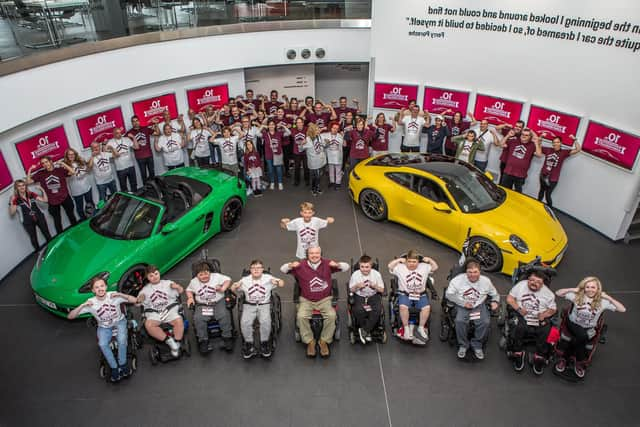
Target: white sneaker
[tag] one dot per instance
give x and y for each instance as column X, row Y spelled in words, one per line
column 280, row 186
column 423, row 333
column 249, row 191
column 407, row 333
column 462, row 353
column 174, row 346
column 271, row 186
column 479, row 353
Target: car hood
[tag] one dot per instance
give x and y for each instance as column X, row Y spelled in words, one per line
column 77, row 255
column 542, row 233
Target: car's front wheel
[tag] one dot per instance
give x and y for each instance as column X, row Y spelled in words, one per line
column 373, row 205
column 132, row 281
column 231, row 214
column 486, row 252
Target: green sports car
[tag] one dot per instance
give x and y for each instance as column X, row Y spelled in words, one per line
column 160, row 224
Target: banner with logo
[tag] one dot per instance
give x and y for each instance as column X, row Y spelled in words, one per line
column 549, row 124
column 216, row 96
column 612, row 145
column 438, row 100
column 148, row 109
column 393, row 96
column 5, row 175
column 99, row 127
column 497, row 110
column 52, row 143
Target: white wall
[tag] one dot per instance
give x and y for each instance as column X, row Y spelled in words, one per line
column 589, row 80
column 292, row 80
column 336, row 80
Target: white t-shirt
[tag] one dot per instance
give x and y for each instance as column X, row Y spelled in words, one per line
column 206, row 293
column 487, row 139
column 252, row 135
column 102, row 170
column 466, row 150
column 370, row 280
column 200, row 142
column 583, row 315
column 158, row 297
column 534, row 302
column 334, row 145
column 106, row 311
column 412, row 128
column 171, row 150
column 307, row 233
column 461, row 291
column 124, row 150
column 257, row 291
column 80, row 181
column 412, row 281
column 228, row 147
column 316, row 157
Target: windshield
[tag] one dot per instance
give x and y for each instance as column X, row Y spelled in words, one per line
column 474, row 191
column 126, row 218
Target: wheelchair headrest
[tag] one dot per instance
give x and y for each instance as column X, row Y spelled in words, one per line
column 212, row 263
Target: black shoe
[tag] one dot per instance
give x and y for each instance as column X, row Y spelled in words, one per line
column 257, row 193
column 227, row 344
column 115, row 375
column 318, row 191
column 124, row 371
column 331, row 184
column 337, row 187
column 518, row 360
column 265, row 349
column 203, row 347
column 248, row 351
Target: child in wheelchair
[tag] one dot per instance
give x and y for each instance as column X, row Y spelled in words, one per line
column 160, row 300
column 257, row 303
column 106, row 309
column 365, row 301
column 206, row 296
column 582, row 325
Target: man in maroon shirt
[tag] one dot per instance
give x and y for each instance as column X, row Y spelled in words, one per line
column 553, row 160
column 342, row 109
column 313, row 276
column 520, row 151
column 54, row 183
column 505, row 128
column 272, row 105
column 321, row 115
column 144, row 156
column 359, row 141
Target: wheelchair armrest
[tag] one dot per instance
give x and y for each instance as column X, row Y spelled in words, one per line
column 432, row 289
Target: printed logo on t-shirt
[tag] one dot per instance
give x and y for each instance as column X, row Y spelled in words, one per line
column 334, row 144
column 159, row 300
column 317, row 284
column 317, row 146
column 299, row 138
column 206, row 293
column 103, row 164
column 360, row 144
column 471, row 295
column 199, row 138
column 107, row 313
column 412, row 127
column 308, row 235
column 53, row 183
column 256, row 292
column 141, row 138
column 532, row 304
column 585, row 313
column 519, row 152
column 122, row 148
column 414, row 282
column 227, row 146
column 172, row 145
column 551, row 161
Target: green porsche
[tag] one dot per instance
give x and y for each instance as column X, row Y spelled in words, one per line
column 161, row 224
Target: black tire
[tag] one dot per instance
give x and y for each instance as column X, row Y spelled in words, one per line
column 230, row 214
column 486, row 252
column 153, row 356
column 132, row 281
column 103, row 371
column 134, row 364
column 373, row 205
column 352, row 337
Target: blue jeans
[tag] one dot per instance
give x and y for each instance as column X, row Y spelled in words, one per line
column 128, row 174
column 80, row 201
column 102, row 189
column 147, row 169
column 270, row 168
column 104, row 338
column 481, row 165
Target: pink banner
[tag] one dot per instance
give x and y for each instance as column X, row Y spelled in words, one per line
column 99, row 127
column 612, row 145
column 52, row 143
column 550, row 123
column 393, row 96
column 438, row 100
column 497, row 110
column 5, row 176
column 148, row 109
column 217, row 96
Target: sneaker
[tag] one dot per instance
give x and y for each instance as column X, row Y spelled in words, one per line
column 257, row 193
column 579, row 370
column 115, row 375
column 422, row 333
column 203, row 346
column 173, row 345
column 539, row 363
column 462, row 352
column 407, row 336
column 248, row 351
column 265, row 349
column 314, row 194
column 249, row 191
column 271, row 186
column 227, row 344
column 280, row 187
column 561, row 365
column 518, row 360
column 124, row 371
column 318, row 191
column 478, row 353
column 368, row 337
column 363, row 335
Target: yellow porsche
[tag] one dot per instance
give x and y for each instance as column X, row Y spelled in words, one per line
column 450, row 200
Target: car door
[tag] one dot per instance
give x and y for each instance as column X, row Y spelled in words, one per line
column 397, row 191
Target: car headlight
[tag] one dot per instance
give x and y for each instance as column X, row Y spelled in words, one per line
column 41, row 256
column 519, row 244
column 86, row 288
column 551, row 213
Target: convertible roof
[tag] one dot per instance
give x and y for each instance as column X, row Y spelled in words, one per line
column 436, row 164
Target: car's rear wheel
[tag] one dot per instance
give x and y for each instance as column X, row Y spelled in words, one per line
column 373, row 205
column 486, row 252
column 231, row 214
column 132, row 281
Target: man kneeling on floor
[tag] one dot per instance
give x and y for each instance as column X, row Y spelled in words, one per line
column 314, row 278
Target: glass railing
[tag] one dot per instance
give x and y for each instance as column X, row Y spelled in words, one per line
column 29, row 27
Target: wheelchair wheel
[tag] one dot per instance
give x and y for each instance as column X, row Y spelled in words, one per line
column 337, row 333
column 502, row 343
column 445, row 329
column 385, row 337
column 154, row 356
column 102, row 371
column 297, row 336
column 502, row 314
column 134, row 363
column 352, row 337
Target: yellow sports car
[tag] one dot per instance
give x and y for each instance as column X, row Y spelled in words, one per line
column 450, row 200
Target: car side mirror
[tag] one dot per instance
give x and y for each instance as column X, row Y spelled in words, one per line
column 442, row 207
column 100, row 205
column 489, row 175
column 169, row 228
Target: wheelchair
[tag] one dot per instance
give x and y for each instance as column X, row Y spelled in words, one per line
column 317, row 321
column 379, row 333
column 397, row 330
column 448, row 325
column 213, row 327
column 568, row 373
column 160, row 350
column 276, row 318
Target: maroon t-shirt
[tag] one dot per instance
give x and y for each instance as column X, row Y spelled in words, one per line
column 285, row 122
column 321, row 120
column 272, row 143
column 455, row 129
column 252, row 160
column 143, row 136
column 359, row 143
column 298, row 137
column 314, row 284
column 272, row 107
column 519, row 157
column 380, row 137
column 553, row 162
column 342, row 112
column 505, row 131
column 295, row 113
column 54, row 184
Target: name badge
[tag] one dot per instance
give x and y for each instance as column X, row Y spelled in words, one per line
column 366, row 307
column 207, row 311
column 474, row 315
column 414, row 297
